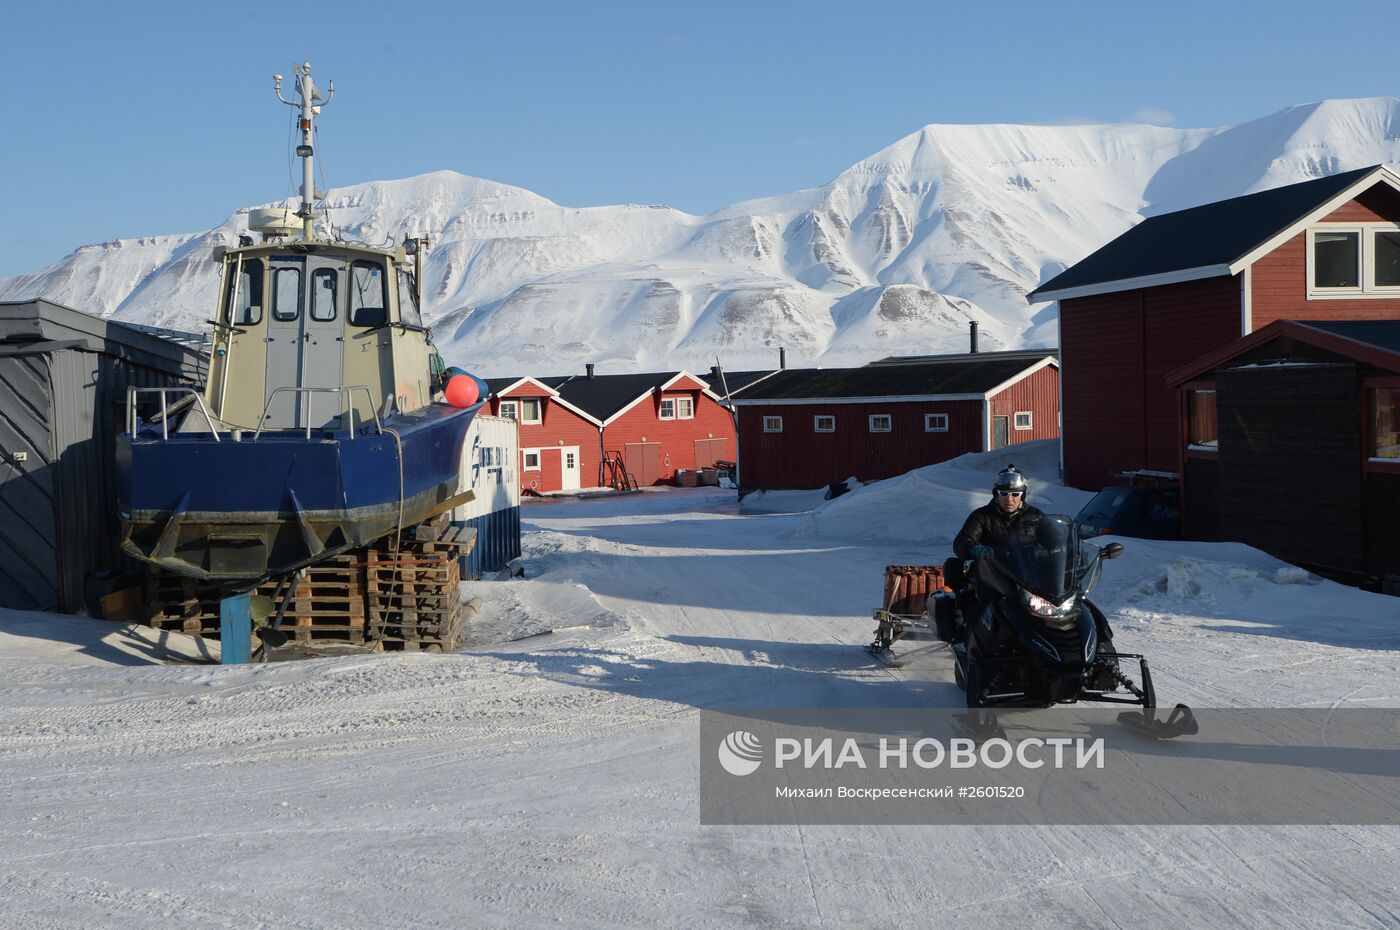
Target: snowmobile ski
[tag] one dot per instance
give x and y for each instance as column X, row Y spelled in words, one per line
column 1180, row 722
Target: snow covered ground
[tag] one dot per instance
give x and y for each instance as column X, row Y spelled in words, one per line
column 552, row 780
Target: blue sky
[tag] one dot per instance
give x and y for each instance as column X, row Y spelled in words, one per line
column 142, row 118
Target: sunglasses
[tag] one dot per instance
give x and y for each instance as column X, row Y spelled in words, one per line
column 1001, row 493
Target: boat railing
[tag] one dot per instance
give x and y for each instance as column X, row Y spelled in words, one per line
column 166, row 410
column 346, row 393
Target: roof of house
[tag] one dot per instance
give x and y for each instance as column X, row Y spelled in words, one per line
column 1374, row 342
column 735, row 381
column 953, row 376
column 1031, row 354
column 601, row 396
column 42, row 325
column 1205, row 241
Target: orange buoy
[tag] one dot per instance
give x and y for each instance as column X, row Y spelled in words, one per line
column 462, row 391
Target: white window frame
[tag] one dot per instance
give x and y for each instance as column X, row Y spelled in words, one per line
column 661, row 412
column 932, row 423
column 817, row 423
column 685, row 408
column 889, row 421
column 525, row 459
column 514, row 413
column 1367, row 289
column 772, row 424
column 539, row 411
column 1016, row 420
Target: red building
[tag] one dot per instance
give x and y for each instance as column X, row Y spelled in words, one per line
column 1306, row 417
column 806, row 428
column 651, row 425
column 1182, row 284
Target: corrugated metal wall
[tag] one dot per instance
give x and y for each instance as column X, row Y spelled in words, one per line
column 490, row 467
column 62, row 403
column 28, row 537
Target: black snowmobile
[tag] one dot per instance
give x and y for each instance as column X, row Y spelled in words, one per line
column 1042, row 641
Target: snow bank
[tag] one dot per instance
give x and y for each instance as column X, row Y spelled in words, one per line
column 931, row 503
column 63, row 639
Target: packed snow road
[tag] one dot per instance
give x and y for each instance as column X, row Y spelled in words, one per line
column 553, row 779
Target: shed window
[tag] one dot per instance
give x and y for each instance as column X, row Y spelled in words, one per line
column 530, row 410
column 824, row 424
column 880, row 423
column 1336, row 259
column 668, row 409
column 685, row 408
column 367, row 294
column 510, row 409
column 772, row 424
column 532, row 459
column 1202, row 423
column 1023, row 419
column 935, row 423
column 1385, row 434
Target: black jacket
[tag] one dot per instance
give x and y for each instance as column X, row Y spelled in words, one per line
column 988, row 526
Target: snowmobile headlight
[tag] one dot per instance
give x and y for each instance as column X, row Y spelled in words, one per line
column 1043, row 608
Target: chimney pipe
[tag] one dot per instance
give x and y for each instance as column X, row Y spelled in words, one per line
column 972, row 333
column 589, row 367
column 782, row 357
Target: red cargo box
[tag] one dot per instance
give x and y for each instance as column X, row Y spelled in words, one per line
column 908, row 587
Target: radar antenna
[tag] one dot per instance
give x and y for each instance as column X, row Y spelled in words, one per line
column 310, row 106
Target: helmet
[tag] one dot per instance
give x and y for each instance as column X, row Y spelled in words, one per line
column 1009, row 479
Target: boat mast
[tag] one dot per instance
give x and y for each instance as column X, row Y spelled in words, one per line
column 310, row 106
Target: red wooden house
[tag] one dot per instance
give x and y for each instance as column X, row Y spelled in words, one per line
column 651, row 424
column 1289, row 440
column 1182, row 284
column 806, row 428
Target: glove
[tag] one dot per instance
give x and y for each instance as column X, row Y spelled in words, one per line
column 979, row 551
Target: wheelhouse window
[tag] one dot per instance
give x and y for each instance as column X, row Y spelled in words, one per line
column 249, row 281
column 685, row 408
column 323, row 281
column 668, row 409
column 1336, row 259
column 772, row 424
column 1202, row 422
column 286, row 293
column 368, row 294
column 510, row 409
column 531, row 410
column 1385, row 420
column 935, row 423
column 408, row 301
column 881, row 423
column 1022, row 419
column 824, row 424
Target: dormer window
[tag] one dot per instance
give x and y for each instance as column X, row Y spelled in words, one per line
column 1358, row 260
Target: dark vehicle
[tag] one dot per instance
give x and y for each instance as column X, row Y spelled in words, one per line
column 1139, row 511
column 1043, row 642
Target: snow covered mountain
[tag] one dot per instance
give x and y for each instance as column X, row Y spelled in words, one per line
column 894, row 255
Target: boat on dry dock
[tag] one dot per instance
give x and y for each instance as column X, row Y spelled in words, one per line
column 317, row 430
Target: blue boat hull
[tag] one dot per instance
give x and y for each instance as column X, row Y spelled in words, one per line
column 265, row 506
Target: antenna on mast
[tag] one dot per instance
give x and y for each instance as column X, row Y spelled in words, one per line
column 310, row 106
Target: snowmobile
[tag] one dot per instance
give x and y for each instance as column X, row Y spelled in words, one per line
column 1041, row 641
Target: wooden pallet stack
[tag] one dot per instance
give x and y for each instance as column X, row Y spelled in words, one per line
column 327, row 605
column 413, row 596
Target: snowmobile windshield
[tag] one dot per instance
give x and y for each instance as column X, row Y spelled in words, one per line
column 1045, row 557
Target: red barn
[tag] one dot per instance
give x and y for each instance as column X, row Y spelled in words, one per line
column 1289, row 440
column 652, row 424
column 806, row 428
column 1182, row 284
